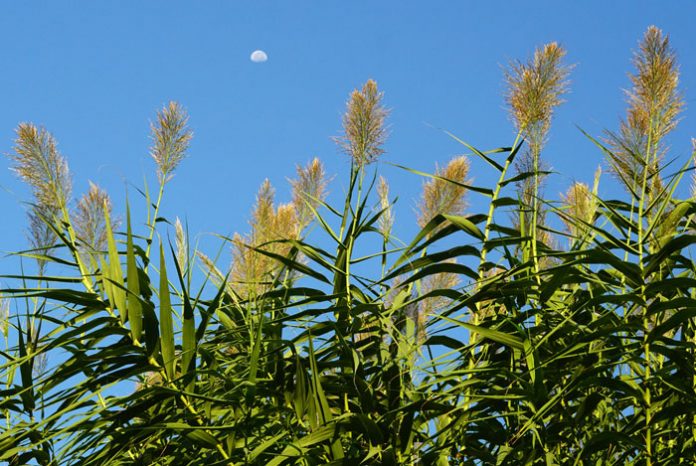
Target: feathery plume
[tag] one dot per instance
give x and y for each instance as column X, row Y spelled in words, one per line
column 264, row 212
column 581, row 207
column 211, row 270
column 654, row 104
column 386, row 220
column 655, row 101
column 308, row 189
column 244, row 268
column 89, row 218
column 534, row 91
column 364, row 131
column 41, row 235
column 268, row 224
column 181, row 245
column 443, row 195
column 285, row 223
column 39, row 164
column 170, row 139
column 4, row 317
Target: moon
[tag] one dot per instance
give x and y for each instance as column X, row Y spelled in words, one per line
column 258, row 56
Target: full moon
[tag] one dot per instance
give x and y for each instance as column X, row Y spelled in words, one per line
column 258, row 56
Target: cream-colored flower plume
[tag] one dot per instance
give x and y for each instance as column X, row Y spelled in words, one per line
column 654, row 104
column 170, row 139
column 182, row 251
column 89, row 218
column 444, row 196
column 535, row 90
column 38, row 163
column 386, row 220
column 364, row 130
column 308, row 189
column 580, row 208
column 269, row 223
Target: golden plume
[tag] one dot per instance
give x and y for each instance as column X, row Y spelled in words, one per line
column 654, row 104
column 444, row 194
column 580, row 209
column 364, row 130
column 268, row 225
column 534, row 91
column 308, row 190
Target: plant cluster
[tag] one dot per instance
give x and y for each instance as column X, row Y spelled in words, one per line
column 489, row 338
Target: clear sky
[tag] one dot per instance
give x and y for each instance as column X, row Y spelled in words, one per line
column 94, row 73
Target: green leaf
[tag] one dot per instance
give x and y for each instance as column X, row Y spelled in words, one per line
column 256, row 344
column 115, row 274
column 188, row 343
column 488, row 160
column 466, row 225
column 202, row 438
column 135, row 310
column 165, row 321
column 25, row 370
column 495, row 335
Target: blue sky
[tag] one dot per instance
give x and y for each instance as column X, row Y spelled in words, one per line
column 94, row 73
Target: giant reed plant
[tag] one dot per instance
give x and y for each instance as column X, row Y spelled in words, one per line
column 537, row 332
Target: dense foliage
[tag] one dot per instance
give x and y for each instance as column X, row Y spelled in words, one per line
column 536, row 332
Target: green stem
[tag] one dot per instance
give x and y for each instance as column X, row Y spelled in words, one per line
column 535, row 221
column 489, row 220
column 647, row 398
column 152, row 222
